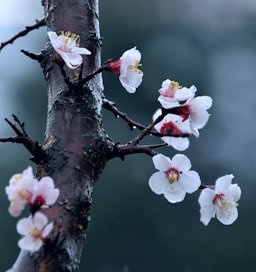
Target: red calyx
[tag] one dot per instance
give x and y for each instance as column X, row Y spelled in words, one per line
column 217, row 197
column 170, row 128
column 184, row 112
column 114, row 67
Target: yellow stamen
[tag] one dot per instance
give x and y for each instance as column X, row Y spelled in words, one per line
column 172, row 179
column 70, row 36
column 175, row 84
column 35, row 233
column 135, row 67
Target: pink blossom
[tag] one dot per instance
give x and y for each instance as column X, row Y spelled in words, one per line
column 35, row 231
column 26, row 189
column 171, row 93
column 20, row 191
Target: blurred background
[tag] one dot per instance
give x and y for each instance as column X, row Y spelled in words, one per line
column 211, row 44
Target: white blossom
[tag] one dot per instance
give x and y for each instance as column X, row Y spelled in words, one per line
column 174, row 178
column 127, row 67
column 171, row 93
column 195, row 109
column 220, row 201
column 173, row 124
column 67, row 46
column 35, row 231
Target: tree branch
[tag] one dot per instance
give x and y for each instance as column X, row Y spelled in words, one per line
column 82, row 81
column 24, row 32
column 37, row 57
column 22, row 138
column 109, row 105
column 120, row 151
column 66, row 78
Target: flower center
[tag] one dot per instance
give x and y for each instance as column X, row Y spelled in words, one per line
column 16, row 179
column 172, row 175
column 170, row 128
column 170, row 92
column 35, row 233
column 39, row 201
column 135, row 67
column 223, row 202
column 67, row 39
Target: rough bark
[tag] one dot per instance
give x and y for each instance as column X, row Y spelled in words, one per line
column 75, row 145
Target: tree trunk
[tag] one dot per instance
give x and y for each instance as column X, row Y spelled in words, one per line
column 75, row 144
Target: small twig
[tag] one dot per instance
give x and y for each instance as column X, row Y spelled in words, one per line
column 24, row 32
column 147, row 130
column 37, row 57
column 22, row 125
column 120, row 151
column 22, row 138
column 111, row 106
column 66, row 78
column 203, row 186
column 81, row 72
column 90, row 76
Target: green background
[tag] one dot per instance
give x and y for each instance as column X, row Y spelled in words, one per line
column 210, row 45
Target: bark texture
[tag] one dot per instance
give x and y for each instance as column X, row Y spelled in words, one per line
column 76, row 145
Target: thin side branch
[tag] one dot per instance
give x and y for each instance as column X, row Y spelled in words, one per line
column 22, row 138
column 38, row 24
column 111, row 106
column 120, row 151
column 66, row 78
column 37, row 57
column 90, row 76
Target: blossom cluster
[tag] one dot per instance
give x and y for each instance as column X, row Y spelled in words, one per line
column 66, row 45
column 185, row 115
column 24, row 189
column 181, row 115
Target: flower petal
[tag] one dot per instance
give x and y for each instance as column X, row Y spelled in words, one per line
column 24, row 226
column 47, row 230
column 16, row 209
column 72, row 60
column 131, row 81
column 181, row 162
column 174, row 193
column 227, row 215
column 207, row 213
column 223, row 184
column 206, row 197
column 81, row 51
column 190, row 181
column 204, row 101
column 234, row 192
column 179, row 144
column 162, row 162
column 157, row 182
column 208, row 209
column 167, row 102
column 30, row 244
column 185, row 93
column 40, row 220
